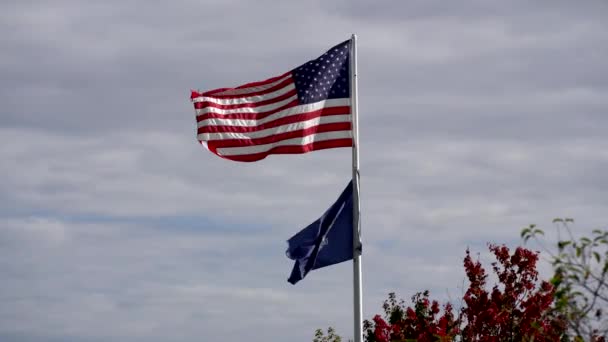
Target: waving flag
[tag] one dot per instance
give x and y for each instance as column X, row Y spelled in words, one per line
column 325, row 242
column 303, row 110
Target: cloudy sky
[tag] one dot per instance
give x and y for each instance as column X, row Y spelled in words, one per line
column 477, row 118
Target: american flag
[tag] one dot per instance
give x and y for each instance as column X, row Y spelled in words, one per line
column 303, row 110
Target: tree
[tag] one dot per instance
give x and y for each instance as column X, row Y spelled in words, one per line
column 571, row 307
column 330, row 337
column 517, row 308
column 580, row 278
column 424, row 322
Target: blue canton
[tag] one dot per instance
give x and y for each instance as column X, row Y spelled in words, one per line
column 326, row 77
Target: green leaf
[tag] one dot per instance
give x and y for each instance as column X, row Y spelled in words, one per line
column 568, row 219
column 525, row 231
column 556, row 281
column 562, row 244
column 597, row 256
column 555, row 220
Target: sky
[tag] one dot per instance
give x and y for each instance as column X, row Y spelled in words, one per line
column 477, row 118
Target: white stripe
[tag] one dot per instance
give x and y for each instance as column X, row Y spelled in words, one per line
column 258, row 109
column 243, row 91
column 284, row 113
column 232, row 151
column 244, row 100
column 296, row 126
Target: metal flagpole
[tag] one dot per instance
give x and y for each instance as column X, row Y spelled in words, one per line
column 357, row 295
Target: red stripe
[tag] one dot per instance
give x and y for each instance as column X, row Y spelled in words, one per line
column 259, row 116
column 331, row 127
column 247, row 85
column 206, row 104
column 274, row 88
column 275, row 123
column 296, row 149
column 251, row 116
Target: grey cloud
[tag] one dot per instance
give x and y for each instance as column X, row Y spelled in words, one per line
column 514, row 11
column 135, row 280
column 476, row 120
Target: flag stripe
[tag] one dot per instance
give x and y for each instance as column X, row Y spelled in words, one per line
column 251, row 109
column 235, row 126
column 247, row 88
column 254, row 118
column 291, row 149
column 262, row 101
column 231, row 132
column 286, row 86
column 252, row 115
column 285, row 82
column 275, row 138
column 299, row 141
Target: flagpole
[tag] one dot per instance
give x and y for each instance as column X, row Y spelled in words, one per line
column 357, row 251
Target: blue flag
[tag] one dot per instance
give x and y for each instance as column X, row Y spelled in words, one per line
column 325, row 242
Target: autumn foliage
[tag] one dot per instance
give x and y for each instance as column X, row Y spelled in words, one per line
column 517, row 308
column 508, row 302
